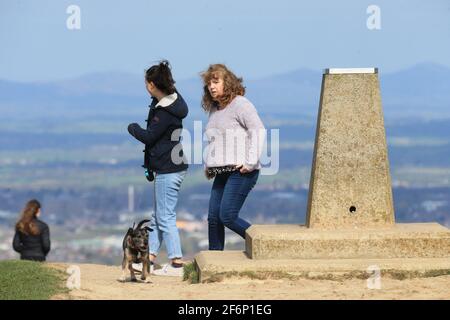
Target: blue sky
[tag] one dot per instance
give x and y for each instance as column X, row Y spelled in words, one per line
column 256, row 38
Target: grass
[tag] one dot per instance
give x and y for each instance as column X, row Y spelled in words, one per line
column 190, row 273
column 28, row 280
column 402, row 275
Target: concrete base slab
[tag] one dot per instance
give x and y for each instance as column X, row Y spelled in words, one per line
column 216, row 265
column 411, row 240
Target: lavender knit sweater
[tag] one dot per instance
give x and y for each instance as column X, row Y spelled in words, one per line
column 235, row 134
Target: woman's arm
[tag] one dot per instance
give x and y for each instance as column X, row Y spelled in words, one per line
column 17, row 243
column 158, row 125
column 45, row 240
column 250, row 120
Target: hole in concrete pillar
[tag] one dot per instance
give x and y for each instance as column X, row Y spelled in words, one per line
column 352, row 209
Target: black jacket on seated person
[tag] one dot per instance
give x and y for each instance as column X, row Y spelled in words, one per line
column 33, row 247
column 164, row 118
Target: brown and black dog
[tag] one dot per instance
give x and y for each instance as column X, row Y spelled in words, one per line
column 135, row 250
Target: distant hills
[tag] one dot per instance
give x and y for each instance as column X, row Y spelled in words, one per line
column 420, row 91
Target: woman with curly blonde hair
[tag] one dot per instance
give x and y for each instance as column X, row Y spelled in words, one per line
column 235, row 136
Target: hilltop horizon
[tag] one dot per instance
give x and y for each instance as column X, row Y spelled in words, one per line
column 418, row 91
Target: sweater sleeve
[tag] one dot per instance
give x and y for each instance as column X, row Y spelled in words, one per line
column 17, row 243
column 250, row 120
column 45, row 240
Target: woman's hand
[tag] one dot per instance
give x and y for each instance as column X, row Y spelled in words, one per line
column 207, row 175
column 132, row 128
column 243, row 169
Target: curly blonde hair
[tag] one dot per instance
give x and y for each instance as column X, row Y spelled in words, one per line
column 232, row 86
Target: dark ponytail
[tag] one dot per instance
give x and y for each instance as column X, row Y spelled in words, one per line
column 161, row 76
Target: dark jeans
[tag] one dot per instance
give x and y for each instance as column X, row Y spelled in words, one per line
column 228, row 194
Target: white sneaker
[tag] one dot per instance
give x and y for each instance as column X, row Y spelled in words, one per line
column 152, row 267
column 169, row 270
column 137, row 266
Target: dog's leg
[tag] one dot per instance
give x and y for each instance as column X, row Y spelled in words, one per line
column 124, row 269
column 144, row 275
column 130, row 267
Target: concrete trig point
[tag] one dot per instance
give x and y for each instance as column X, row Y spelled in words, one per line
column 350, row 184
column 350, row 216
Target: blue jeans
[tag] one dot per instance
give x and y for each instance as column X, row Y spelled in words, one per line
column 163, row 219
column 228, row 194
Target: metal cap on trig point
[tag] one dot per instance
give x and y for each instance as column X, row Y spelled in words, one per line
column 350, row 182
column 349, row 70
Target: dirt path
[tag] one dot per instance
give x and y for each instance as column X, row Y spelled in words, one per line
column 100, row 282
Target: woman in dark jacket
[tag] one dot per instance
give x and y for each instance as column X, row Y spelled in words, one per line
column 32, row 238
column 164, row 162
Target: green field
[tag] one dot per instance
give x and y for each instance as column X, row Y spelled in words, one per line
column 30, row 177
